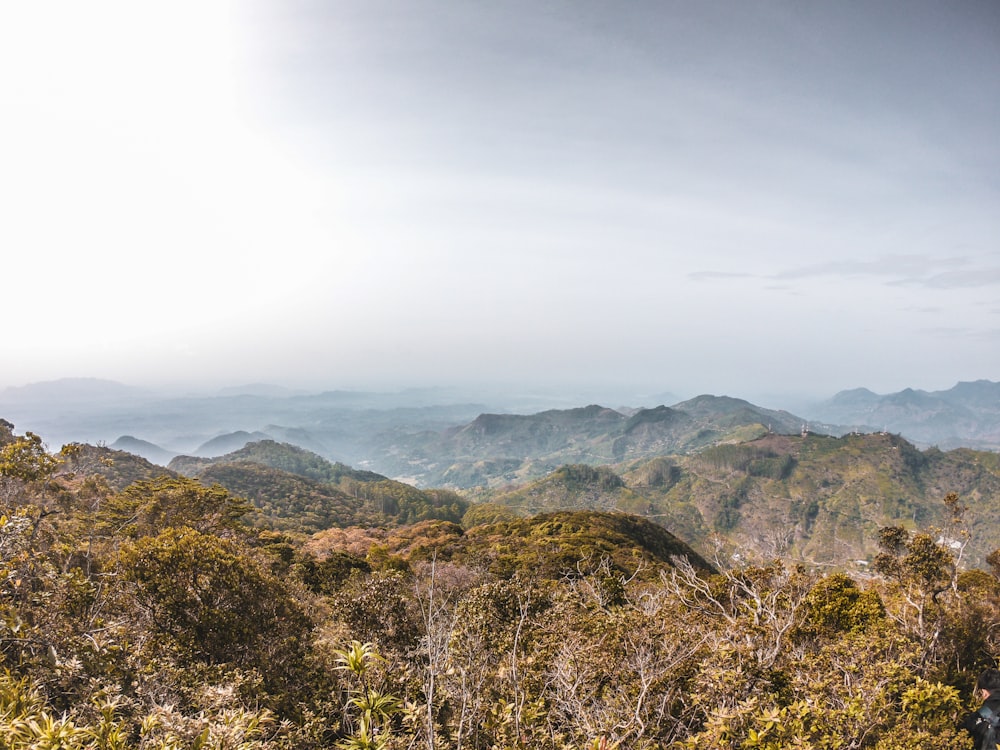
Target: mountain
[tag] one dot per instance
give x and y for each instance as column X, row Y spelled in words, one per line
column 259, row 389
column 495, row 449
column 288, row 502
column 724, row 412
column 708, row 468
column 967, row 414
column 290, row 458
column 222, row 444
column 574, row 487
column 428, row 437
column 149, row 451
column 71, row 391
column 338, row 424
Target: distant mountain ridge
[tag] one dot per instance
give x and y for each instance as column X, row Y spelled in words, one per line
column 84, row 391
column 808, row 498
column 495, row 449
column 712, row 470
column 147, row 450
column 966, row 415
column 430, row 437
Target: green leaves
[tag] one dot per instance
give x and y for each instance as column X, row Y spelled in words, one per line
column 356, row 658
column 374, row 707
column 149, row 507
column 217, row 603
column 26, row 459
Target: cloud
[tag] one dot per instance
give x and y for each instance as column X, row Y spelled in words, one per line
column 899, row 266
column 973, row 277
column 905, row 270
column 718, row 275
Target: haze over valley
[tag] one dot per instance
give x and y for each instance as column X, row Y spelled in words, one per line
column 404, row 433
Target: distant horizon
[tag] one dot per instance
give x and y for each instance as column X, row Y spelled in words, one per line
column 344, row 424
column 483, row 389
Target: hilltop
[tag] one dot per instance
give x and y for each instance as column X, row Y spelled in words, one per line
column 547, row 545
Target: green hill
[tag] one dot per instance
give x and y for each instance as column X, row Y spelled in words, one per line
column 547, row 545
column 814, row 498
column 288, row 502
column 574, row 487
column 284, row 456
column 571, row 542
column 822, row 500
column 296, row 490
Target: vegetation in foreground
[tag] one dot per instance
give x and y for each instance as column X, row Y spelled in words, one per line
column 154, row 616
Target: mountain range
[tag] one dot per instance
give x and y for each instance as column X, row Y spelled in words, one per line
column 808, row 498
column 967, row 415
column 446, row 437
column 815, row 491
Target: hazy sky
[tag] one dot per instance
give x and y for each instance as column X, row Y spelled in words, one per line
column 729, row 197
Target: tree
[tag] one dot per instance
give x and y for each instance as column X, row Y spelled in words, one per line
column 149, row 507
column 25, row 458
column 922, row 570
column 216, row 603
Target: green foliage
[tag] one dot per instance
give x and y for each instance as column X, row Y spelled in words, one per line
column 148, row 507
column 485, row 513
column 27, row 723
column 118, row 469
column 661, row 473
column 213, row 601
column 554, row 544
column 581, row 474
column 754, row 459
column 25, row 458
column 915, row 560
column 326, row 576
column 836, row 604
column 287, row 502
column 378, row 608
column 373, row 708
column 297, row 491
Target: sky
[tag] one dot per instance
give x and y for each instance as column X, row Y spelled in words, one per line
column 741, row 197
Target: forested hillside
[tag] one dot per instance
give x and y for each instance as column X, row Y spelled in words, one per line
column 813, row 499
column 152, row 616
column 495, row 449
column 296, row 490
